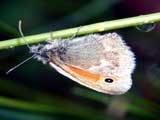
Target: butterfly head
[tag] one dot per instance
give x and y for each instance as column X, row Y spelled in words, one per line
column 41, row 53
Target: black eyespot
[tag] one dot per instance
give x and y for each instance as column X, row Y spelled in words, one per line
column 108, row 80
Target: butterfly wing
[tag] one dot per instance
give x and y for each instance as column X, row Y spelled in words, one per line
column 89, row 60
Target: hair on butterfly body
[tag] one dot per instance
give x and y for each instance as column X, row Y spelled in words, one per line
column 101, row 62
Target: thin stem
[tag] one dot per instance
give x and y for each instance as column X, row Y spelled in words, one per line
column 92, row 28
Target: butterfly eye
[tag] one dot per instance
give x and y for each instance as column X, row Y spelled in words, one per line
column 108, row 80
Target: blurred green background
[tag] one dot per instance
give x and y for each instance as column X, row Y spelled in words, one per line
column 37, row 92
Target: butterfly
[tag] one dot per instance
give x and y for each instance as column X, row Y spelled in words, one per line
column 101, row 62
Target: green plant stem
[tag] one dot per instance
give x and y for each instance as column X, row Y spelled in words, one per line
column 92, row 28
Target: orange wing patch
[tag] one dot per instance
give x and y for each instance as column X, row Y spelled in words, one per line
column 85, row 74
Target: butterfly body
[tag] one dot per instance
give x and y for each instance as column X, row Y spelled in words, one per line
column 91, row 60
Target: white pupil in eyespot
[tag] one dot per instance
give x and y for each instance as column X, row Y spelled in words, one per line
column 108, row 80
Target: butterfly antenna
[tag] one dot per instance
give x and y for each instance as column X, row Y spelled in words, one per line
column 10, row 70
column 21, row 33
